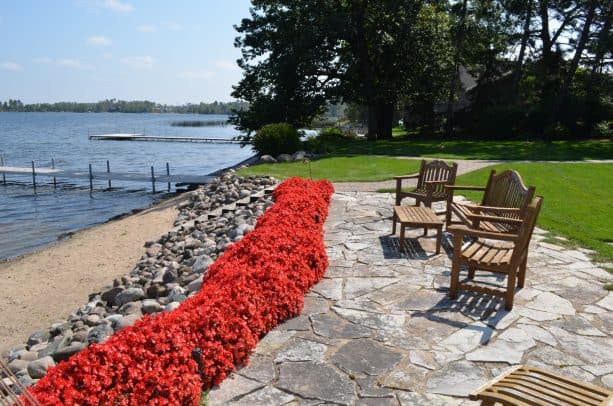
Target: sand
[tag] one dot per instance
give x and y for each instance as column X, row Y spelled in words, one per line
column 46, row 286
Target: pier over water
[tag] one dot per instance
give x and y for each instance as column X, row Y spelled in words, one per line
column 156, row 138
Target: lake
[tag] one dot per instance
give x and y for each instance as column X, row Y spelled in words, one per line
column 32, row 219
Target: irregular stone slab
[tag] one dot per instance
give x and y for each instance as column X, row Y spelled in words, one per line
column 579, row 325
column 332, row 326
column 434, row 327
column 599, row 370
column 537, row 315
column 301, row 350
column 468, row 338
column 370, row 387
column 316, row 381
column 594, row 309
column 376, row 402
column 231, row 388
column 538, row 334
column 365, row 357
column 260, row 368
column 422, row 300
column 551, row 303
column 356, row 246
column 607, row 381
column 330, row 288
column 509, row 347
column 501, row 319
column 456, row 379
column 553, row 357
column 273, row 340
column 360, row 303
column 592, row 350
column 607, row 302
column 314, row 305
column 393, row 293
column 298, row 323
column 264, row 397
column 405, row 376
column 384, row 323
column 420, row 399
column 355, row 287
column 423, row 359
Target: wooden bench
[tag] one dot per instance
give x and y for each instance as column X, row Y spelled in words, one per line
column 526, row 385
column 502, row 208
column 416, row 216
column 432, row 178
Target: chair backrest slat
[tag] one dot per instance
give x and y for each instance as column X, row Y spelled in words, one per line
column 507, row 190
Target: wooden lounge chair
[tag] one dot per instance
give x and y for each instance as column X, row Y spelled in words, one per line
column 432, row 178
column 526, row 385
column 489, row 252
column 504, row 203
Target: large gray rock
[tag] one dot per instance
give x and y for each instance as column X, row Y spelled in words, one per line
column 298, row 155
column 37, row 369
column 131, row 308
column 66, row 352
column 201, row 265
column 129, row 295
column 38, row 337
column 267, row 159
column 150, row 306
column 110, row 294
column 314, row 380
column 195, row 285
column 99, row 334
column 284, row 158
column 17, row 365
column 125, row 322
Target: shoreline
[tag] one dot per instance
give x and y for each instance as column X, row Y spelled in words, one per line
column 71, row 268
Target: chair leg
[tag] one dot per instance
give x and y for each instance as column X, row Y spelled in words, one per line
column 455, row 279
column 394, row 219
column 522, row 273
column 510, row 294
column 471, row 272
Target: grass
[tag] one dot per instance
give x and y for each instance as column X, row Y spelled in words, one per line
column 578, row 200
column 468, row 149
column 338, row 169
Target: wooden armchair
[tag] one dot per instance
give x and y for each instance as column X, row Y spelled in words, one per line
column 527, row 385
column 432, row 178
column 489, row 252
column 505, row 198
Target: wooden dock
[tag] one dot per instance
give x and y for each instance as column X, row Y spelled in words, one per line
column 107, row 175
column 143, row 137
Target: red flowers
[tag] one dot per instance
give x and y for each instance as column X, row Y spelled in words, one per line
column 257, row 283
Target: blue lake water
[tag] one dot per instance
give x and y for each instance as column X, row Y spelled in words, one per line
column 32, row 219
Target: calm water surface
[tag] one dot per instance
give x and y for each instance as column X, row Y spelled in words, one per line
column 30, row 220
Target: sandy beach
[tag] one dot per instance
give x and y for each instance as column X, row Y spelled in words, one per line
column 45, row 286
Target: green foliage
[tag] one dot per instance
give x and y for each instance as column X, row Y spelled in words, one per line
column 276, row 139
column 604, row 129
column 326, row 140
column 577, row 201
column 339, row 169
column 498, row 121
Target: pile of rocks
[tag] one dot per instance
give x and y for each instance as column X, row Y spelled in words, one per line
column 171, row 270
column 296, row 156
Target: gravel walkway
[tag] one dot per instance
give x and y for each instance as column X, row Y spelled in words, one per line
column 380, row 330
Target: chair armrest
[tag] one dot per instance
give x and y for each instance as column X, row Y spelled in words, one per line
column 459, row 230
column 497, row 219
column 458, row 187
column 413, row 176
column 435, row 182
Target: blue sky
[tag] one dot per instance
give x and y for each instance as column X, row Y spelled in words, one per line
column 170, row 52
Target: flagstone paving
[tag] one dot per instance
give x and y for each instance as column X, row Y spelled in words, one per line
column 380, row 330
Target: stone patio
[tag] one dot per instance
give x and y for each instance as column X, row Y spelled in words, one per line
column 380, row 330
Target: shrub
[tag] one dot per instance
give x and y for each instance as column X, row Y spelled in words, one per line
column 275, row 139
column 604, row 129
column 326, row 139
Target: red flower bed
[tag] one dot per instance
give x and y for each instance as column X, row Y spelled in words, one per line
column 257, row 283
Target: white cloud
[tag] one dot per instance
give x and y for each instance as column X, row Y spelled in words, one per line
column 147, row 28
column 42, row 59
column 138, row 62
column 226, row 65
column 12, row 66
column 69, row 63
column 198, row 74
column 107, row 56
column 173, row 26
column 117, row 6
column 99, row 40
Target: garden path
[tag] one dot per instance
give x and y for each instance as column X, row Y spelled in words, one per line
column 380, row 330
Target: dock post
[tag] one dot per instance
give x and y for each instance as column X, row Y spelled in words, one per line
column 168, row 174
column 91, row 177
column 3, row 174
column 152, row 179
column 53, row 167
column 108, row 170
column 33, row 176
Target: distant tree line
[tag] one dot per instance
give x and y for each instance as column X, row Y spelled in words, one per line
column 540, row 67
column 122, row 106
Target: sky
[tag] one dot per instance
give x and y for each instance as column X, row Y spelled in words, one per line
column 171, row 52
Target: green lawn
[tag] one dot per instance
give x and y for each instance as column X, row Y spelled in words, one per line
column 466, row 149
column 339, row 169
column 578, row 199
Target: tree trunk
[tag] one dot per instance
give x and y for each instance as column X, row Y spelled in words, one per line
column 570, row 74
column 522, row 50
column 454, row 77
column 385, row 118
column 372, row 121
